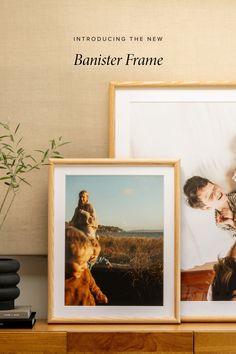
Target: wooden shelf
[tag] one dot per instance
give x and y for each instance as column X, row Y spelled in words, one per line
column 185, row 338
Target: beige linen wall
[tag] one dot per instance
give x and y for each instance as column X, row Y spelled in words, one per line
column 42, row 89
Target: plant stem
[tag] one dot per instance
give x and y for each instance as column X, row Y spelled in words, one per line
column 5, row 216
column 4, row 199
column 17, row 163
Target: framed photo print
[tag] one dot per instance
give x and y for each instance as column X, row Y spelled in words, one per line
column 113, row 241
column 194, row 122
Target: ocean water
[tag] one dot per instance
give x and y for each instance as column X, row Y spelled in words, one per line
column 132, row 233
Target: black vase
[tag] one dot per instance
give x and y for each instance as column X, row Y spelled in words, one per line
column 8, row 281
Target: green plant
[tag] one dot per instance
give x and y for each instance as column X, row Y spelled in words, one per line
column 16, row 163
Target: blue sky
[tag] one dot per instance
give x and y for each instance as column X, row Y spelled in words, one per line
column 129, row 202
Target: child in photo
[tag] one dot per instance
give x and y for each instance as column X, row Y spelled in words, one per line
column 80, row 286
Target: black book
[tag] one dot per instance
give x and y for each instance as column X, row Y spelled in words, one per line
column 17, row 312
column 18, row 322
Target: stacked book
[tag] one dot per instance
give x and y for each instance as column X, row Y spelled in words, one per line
column 19, row 317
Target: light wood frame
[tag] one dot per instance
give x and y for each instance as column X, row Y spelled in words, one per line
column 224, row 86
column 170, row 170
column 124, row 85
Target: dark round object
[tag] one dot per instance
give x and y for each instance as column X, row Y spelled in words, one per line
column 8, row 265
column 9, row 293
column 8, row 281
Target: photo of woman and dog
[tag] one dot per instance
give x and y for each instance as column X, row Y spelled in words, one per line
column 114, row 240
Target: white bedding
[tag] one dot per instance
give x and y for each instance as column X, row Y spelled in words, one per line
column 203, row 136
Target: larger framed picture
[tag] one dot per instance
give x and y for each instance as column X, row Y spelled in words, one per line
column 114, row 241
column 194, row 122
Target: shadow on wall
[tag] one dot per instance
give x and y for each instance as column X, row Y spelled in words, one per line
column 33, row 284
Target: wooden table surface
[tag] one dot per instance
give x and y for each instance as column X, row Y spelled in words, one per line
column 185, row 338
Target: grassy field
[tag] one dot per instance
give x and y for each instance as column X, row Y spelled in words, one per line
column 139, row 263
column 138, row 252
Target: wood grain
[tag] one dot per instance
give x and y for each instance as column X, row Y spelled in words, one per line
column 155, row 84
column 157, row 352
column 215, row 342
column 31, row 341
column 186, row 338
column 177, row 216
column 50, row 241
column 159, row 342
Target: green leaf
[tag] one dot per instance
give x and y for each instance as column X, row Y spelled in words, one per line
column 16, row 162
column 5, row 144
column 13, row 162
column 19, row 141
column 23, row 164
column 19, row 151
column 16, row 129
column 9, row 149
column 45, row 155
column 53, row 144
column 30, row 157
column 67, row 142
column 23, row 180
column 20, row 169
column 4, row 125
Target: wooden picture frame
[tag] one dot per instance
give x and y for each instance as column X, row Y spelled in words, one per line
column 194, row 122
column 132, row 269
